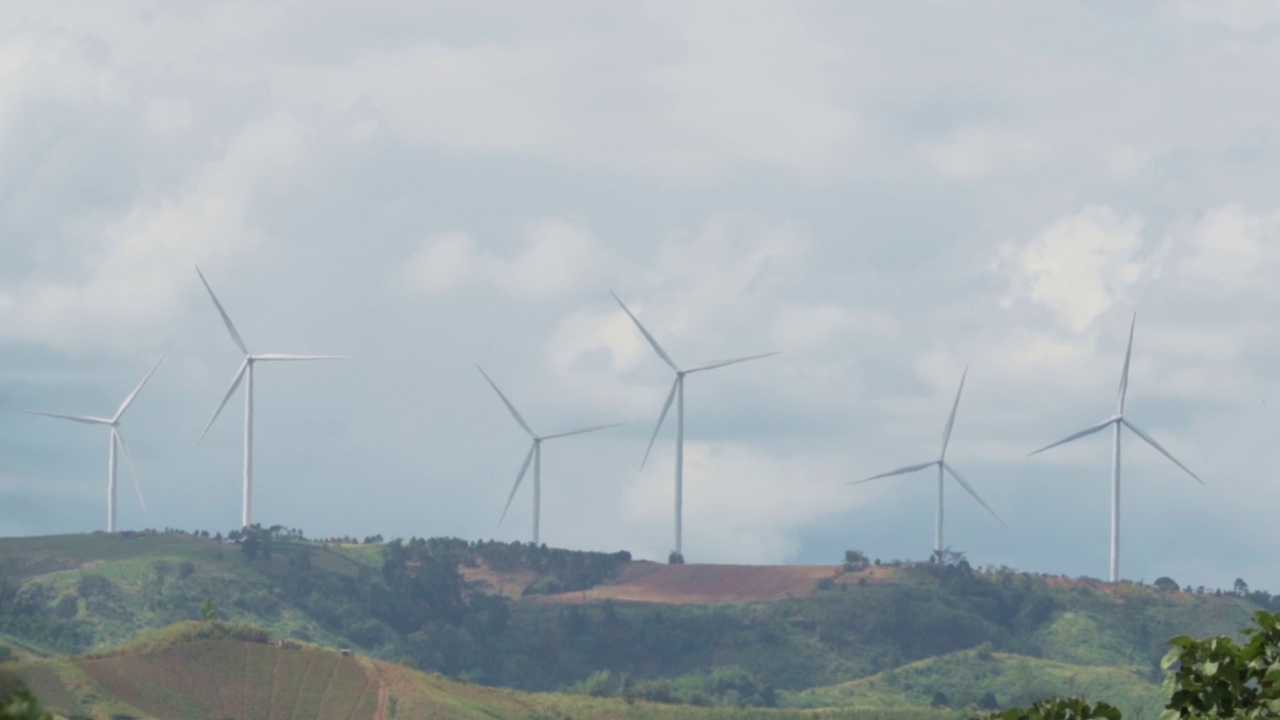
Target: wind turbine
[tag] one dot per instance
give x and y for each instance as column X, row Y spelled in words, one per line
column 246, row 372
column 677, row 389
column 1115, row 421
column 534, row 456
column 943, row 467
column 117, row 440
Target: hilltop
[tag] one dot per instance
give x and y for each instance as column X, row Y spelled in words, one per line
column 538, row 619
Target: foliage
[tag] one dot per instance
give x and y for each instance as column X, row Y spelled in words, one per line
column 1060, row 709
column 1218, row 678
column 19, row 704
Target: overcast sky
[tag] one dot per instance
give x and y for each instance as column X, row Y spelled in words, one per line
column 884, row 192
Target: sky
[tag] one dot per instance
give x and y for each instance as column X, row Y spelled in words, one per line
column 884, row 193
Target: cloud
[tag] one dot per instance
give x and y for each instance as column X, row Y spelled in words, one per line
column 122, row 281
column 559, row 257
column 740, row 504
column 1079, row 266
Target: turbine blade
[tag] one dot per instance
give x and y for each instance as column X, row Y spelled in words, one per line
column 514, row 413
column 280, row 357
column 1152, row 442
column 86, row 419
column 661, row 417
column 133, row 395
column 226, row 319
column 969, row 489
column 734, row 361
column 128, row 460
column 1076, row 436
column 1124, row 374
column 580, row 431
column 951, row 421
column 899, row 471
column 235, row 383
column 523, row 469
column 656, row 347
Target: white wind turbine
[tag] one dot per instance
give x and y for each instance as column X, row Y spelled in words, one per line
column 1115, row 421
column 534, row 456
column 677, row 389
column 117, row 440
column 246, row 372
column 943, row 467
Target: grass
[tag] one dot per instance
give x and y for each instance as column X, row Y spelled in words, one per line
column 1013, row 680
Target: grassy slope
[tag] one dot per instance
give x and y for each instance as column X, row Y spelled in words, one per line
column 965, row 677
column 60, row 562
column 174, row 676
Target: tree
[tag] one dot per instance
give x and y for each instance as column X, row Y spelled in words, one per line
column 1165, row 584
column 20, row 704
column 207, row 611
column 1242, row 588
column 1060, row 709
column 1215, row 677
column 675, row 558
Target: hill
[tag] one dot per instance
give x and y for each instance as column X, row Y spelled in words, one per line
column 540, row 619
column 196, row 670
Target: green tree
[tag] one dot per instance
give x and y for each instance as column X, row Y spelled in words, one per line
column 1165, row 584
column 1060, row 709
column 207, row 611
column 1217, row 678
column 20, row 704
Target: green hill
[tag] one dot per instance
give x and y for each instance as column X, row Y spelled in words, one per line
column 980, row 678
column 532, row 618
column 198, row 671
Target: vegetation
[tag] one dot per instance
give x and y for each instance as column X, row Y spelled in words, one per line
column 1209, row 679
column 19, row 704
column 892, row 635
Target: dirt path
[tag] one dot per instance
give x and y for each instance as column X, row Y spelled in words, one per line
column 381, row 712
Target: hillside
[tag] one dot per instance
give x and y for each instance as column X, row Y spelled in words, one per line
column 546, row 620
column 183, row 674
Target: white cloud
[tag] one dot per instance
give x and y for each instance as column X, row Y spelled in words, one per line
column 1242, row 15
column 120, row 282
column 559, row 257
column 1079, row 266
column 740, row 504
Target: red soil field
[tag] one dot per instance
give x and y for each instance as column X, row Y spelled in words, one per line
column 703, row 584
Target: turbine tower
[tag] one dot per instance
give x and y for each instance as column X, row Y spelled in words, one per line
column 677, row 390
column 246, row 373
column 943, row 468
column 534, row 456
column 1115, row 421
column 117, row 441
